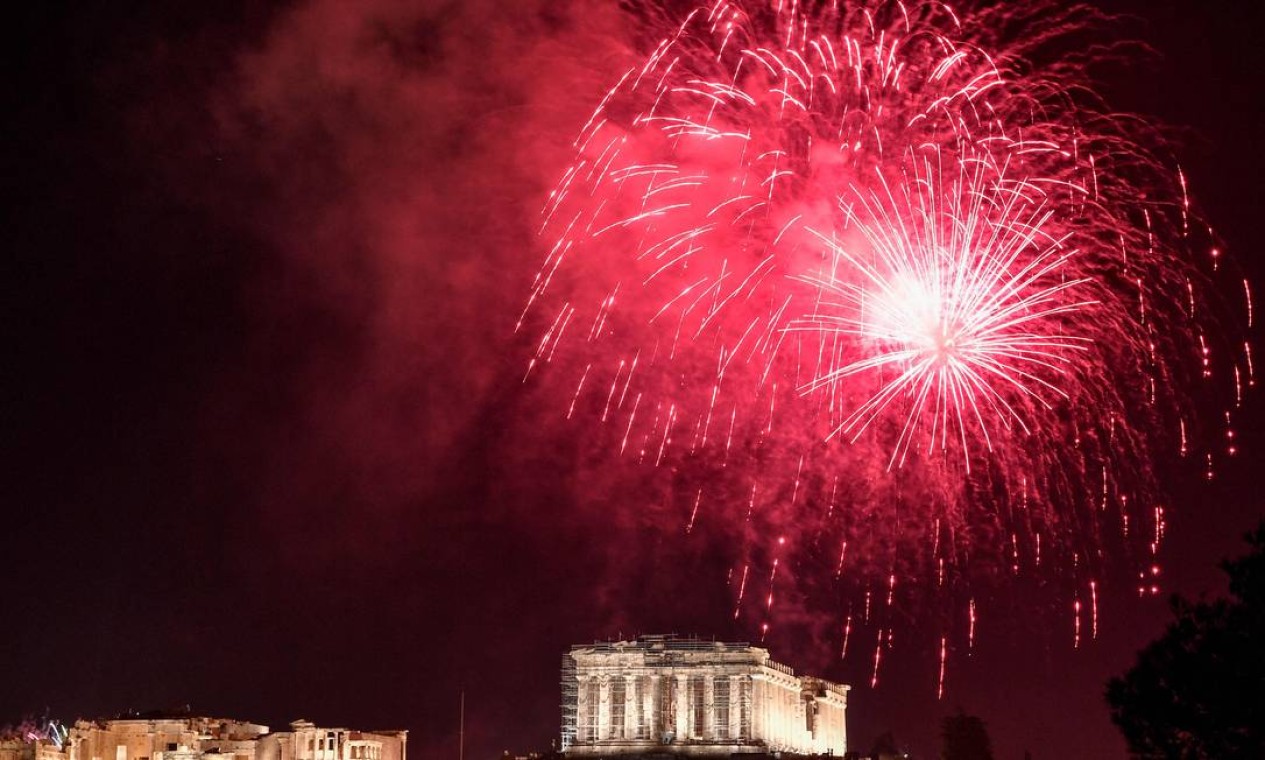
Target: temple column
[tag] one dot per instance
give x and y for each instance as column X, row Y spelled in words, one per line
column 682, row 707
column 630, row 710
column 760, row 708
column 604, row 708
column 650, row 716
column 658, row 718
column 582, row 711
column 709, row 707
column 748, row 708
column 735, row 709
column 643, row 699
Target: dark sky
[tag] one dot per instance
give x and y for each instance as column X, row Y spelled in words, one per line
column 266, row 450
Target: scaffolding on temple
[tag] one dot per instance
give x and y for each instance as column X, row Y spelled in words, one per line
column 570, row 697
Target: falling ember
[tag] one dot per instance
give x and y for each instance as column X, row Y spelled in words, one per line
column 798, row 474
column 970, row 631
column 1093, row 609
column 944, row 651
column 768, row 605
column 698, row 499
column 878, row 657
column 579, row 386
column 902, row 251
column 847, row 631
column 1076, row 624
column 1247, row 297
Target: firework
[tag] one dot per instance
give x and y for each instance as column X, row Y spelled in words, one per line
column 895, row 271
column 35, row 731
column 963, row 298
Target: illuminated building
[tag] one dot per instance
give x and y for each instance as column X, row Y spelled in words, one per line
column 688, row 696
column 163, row 738
column 305, row 741
column 202, row 738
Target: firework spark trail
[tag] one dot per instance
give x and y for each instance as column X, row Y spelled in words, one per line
column 964, row 305
column 888, row 248
column 944, row 653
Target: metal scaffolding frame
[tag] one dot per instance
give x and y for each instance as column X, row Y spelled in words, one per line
column 570, row 698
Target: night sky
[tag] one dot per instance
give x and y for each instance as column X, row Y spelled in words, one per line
column 268, row 452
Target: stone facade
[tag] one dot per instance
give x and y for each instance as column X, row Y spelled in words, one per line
column 201, row 738
column 662, row 693
column 306, row 741
column 16, row 749
column 176, row 738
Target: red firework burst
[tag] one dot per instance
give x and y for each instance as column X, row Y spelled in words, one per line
column 890, row 244
column 963, row 294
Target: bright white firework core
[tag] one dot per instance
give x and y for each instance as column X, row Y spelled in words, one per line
column 917, row 317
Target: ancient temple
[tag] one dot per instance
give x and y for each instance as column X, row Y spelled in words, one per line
column 688, row 696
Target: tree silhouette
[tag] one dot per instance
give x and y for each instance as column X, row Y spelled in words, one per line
column 965, row 738
column 885, row 747
column 1199, row 690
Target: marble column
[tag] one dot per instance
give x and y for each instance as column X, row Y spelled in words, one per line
column 630, row 710
column 682, row 707
column 582, row 711
column 604, row 709
column 649, row 684
column 709, row 707
column 656, row 720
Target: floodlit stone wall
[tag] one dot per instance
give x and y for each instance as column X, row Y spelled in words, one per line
column 695, row 697
column 200, row 738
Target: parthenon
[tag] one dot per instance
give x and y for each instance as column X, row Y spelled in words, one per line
column 659, row 693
